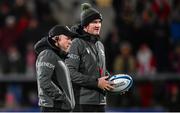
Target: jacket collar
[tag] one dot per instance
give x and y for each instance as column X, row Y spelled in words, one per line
column 45, row 43
column 89, row 37
column 58, row 51
column 84, row 35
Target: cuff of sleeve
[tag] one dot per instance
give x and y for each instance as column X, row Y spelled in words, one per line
column 94, row 82
column 58, row 103
column 60, row 97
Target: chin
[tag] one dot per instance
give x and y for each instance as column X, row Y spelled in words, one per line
column 67, row 50
column 96, row 33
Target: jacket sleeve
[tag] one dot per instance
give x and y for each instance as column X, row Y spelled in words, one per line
column 73, row 63
column 45, row 67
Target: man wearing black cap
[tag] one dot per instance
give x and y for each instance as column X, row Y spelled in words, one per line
column 53, row 79
column 86, row 62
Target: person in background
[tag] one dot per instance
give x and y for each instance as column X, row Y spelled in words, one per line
column 86, row 62
column 53, row 79
column 175, row 59
column 125, row 61
column 146, row 61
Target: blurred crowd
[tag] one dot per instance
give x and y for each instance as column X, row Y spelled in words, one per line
column 144, row 38
column 22, row 23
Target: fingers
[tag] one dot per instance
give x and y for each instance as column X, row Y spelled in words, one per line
column 108, row 88
column 105, row 84
column 122, row 93
column 111, row 83
column 105, row 77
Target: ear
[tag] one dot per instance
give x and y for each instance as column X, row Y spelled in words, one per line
column 56, row 39
column 85, row 28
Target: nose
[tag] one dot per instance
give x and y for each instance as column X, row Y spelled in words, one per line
column 70, row 41
column 98, row 24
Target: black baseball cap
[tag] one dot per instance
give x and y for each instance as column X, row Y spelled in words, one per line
column 59, row 30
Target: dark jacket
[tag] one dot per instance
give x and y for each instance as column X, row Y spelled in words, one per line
column 53, row 77
column 86, row 62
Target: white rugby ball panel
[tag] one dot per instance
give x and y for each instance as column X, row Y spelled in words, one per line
column 122, row 82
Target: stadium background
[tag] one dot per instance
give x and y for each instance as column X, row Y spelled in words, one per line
column 141, row 38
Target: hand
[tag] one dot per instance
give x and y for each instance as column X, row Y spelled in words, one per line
column 105, row 84
column 122, row 93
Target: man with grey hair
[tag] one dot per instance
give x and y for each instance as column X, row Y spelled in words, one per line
column 53, row 79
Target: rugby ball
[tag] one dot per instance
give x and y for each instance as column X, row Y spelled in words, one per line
column 122, row 82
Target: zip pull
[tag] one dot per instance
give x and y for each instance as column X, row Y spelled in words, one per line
column 108, row 74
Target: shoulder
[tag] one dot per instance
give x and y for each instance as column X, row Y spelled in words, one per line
column 48, row 53
column 100, row 45
column 78, row 43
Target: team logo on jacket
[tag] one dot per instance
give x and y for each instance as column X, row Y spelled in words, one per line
column 46, row 64
column 73, row 56
column 102, row 52
column 88, row 51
